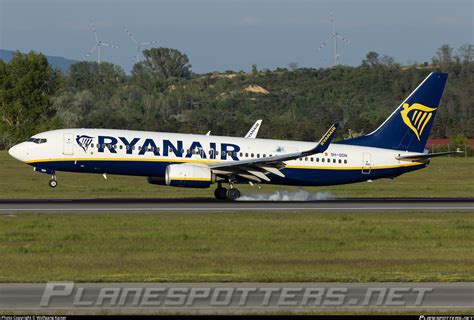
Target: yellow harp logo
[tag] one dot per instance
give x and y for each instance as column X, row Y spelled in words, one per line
column 418, row 119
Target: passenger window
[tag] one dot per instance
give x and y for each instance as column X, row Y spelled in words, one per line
column 251, row 155
column 311, row 159
column 217, row 153
column 340, row 161
column 92, row 145
column 345, row 161
column 322, row 159
column 258, row 155
column 171, row 150
column 121, row 147
column 306, row 159
column 263, row 155
column 246, row 155
column 334, row 160
column 317, row 159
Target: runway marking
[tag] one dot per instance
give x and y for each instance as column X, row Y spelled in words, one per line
column 235, row 209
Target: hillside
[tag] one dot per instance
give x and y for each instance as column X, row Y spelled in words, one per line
column 162, row 94
column 60, row 63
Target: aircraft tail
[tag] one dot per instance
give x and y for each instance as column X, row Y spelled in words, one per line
column 408, row 127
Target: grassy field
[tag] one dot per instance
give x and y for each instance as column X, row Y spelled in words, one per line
column 445, row 177
column 238, row 246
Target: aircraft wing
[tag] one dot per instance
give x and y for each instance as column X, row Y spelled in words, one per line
column 252, row 134
column 425, row 156
column 256, row 169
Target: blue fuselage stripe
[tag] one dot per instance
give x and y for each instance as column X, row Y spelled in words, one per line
column 293, row 176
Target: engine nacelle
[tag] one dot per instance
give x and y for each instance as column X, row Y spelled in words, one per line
column 188, row 175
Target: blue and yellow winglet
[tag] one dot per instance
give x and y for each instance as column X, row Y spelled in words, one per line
column 325, row 141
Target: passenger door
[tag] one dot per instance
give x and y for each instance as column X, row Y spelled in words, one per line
column 366, row 163
column 68, row 144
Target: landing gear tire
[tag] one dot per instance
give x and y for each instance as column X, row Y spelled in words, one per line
column 220, row 193
column 53, row 183
column 233, row 194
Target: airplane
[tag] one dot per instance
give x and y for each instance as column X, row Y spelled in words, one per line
column 396, row 147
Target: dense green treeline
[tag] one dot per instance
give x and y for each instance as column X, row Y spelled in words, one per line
column 162, row 94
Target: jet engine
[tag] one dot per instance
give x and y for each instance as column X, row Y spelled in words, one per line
column 188, row 175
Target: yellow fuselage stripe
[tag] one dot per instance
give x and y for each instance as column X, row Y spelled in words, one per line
column 216, row 161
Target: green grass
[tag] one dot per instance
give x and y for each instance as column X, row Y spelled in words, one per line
column 238, row 246
column 444, row 177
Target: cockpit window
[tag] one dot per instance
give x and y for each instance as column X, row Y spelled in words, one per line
column 37, row 140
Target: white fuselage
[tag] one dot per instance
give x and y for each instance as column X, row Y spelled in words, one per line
column 129, row 152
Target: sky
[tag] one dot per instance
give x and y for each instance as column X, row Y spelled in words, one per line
column 219, row 35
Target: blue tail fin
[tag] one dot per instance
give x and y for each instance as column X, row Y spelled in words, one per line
column 408, row 127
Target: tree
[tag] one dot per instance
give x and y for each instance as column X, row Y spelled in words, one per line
column 444, row 56
column 166, row 63
column 466, row 52
column 101, row 78
column 371, row 59
column 387, row 60
column 28, row 82
column 293, row 66
column 254, row 69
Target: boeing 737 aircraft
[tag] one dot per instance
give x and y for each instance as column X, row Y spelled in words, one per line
column 397, row 146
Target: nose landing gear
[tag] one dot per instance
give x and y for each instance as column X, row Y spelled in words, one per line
column 53, row 182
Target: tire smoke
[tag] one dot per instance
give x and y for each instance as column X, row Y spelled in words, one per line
column 285, row 195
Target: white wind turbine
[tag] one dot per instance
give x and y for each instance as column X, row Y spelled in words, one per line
column 139, row 44
column 335, row 36
column 98, row 44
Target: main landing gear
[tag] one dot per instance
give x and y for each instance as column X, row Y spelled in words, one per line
column 222, row 193
column 53, row 182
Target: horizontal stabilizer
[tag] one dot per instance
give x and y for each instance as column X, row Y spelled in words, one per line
column 424, row 156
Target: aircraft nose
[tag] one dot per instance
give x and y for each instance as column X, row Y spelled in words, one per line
column 18, row 152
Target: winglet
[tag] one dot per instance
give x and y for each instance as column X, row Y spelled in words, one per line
column 252, row 134
column 325, row 141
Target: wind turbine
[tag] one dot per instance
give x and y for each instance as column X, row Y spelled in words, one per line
column 138, row 44
column 98, row 44
column 334, row 36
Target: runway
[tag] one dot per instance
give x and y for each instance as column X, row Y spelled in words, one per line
column 203, row 205
column 235, row 298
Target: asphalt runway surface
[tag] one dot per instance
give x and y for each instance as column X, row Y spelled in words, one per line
column 200, row 205
column 237, row 297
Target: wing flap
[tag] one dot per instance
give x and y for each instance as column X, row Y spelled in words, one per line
column 259, row 166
